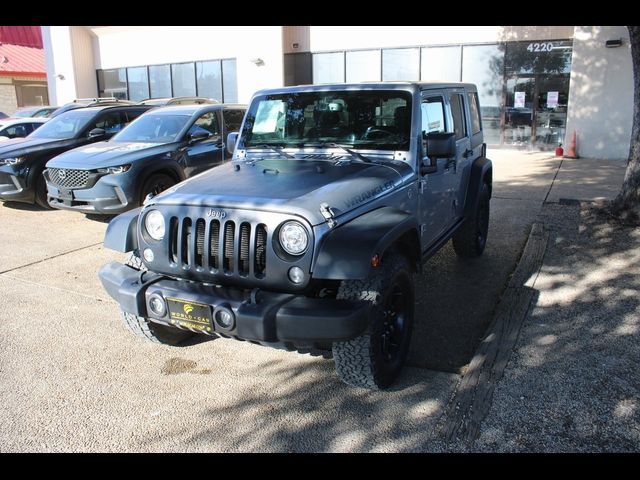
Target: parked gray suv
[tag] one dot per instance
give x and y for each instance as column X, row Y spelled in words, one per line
column 309, row 239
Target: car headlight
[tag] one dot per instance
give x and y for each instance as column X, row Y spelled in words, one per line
column 12, row 160
column 119, row 169
column 154, row 224
column 294, row 238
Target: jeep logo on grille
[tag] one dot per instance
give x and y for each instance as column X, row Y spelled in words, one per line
column 216, row 213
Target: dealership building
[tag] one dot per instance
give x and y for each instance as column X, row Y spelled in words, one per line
column 537, row 85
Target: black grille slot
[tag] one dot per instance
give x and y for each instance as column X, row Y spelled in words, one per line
column 245, row 235
column 173, row 240
column 260, row 264
column 68, row 178
column 229, row 231
column 186, row 241
column 214, row 245
column 199, row 241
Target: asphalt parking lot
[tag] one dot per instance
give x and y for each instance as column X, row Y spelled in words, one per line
column 73, row 379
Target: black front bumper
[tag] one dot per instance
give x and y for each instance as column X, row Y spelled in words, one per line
column 264, row 317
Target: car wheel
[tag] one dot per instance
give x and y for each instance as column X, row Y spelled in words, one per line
column 471, row 238
column 143, row 327
column 155, row 184
column 374, row 359
column 41, row 193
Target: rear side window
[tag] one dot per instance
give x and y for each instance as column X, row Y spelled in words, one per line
column 233, row 119
column 474, row 110
column 457, row 112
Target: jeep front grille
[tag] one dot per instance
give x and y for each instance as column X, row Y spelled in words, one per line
column 68, row 178
column 219, row 246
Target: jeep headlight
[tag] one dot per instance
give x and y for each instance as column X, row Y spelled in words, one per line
column 154, row 224
column 294, row 238
column 12, row 160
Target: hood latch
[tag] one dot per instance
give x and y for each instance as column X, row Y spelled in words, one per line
column 328, row 214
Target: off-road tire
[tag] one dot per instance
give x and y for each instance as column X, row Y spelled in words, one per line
column 361, row 362
column 471, row 238
column 156, row 183
column 143, row 327
column 41, row 193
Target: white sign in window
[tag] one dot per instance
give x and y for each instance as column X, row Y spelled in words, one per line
column 519, row 100
column 552, row 99
column 269, row 111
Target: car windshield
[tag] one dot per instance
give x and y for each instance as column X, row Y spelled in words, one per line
column 153, row 128
column 365, row 119
column 67, row 125
column 26, row 112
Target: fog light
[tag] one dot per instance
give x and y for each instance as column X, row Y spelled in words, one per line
column 157, row 305
column 148, row 254
column 296, row 275
column 224, row 317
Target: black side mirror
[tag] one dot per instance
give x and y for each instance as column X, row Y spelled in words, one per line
column 440, row 145
column 197, row 136
column 96, row 133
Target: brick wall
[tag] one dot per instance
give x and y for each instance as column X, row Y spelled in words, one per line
column 8, row 100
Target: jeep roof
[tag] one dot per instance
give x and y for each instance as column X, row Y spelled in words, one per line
column 390, row 85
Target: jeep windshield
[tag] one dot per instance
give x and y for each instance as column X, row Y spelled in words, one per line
column 360, row 119
column 153, row 128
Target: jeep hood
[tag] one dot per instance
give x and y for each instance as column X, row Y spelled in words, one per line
column 17, row 147
column 287, row 185
column 107, row 154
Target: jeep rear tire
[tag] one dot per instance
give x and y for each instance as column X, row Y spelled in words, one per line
column 471, row 238
column 374, row 359
column 143, row 327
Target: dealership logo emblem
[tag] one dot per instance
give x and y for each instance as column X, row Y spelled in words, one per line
column 62, row 174
column 216, row 213
column 187, row 308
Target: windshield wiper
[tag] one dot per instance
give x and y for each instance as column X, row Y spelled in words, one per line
column 274, row 148
column 353, row 153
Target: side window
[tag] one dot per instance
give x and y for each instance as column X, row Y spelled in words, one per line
column 233, row 119
column 474, row 109
column 131, row 115
column 433, row 118
column 457, row 112
column 206, row 121
column 111, row 122
column 16, row 131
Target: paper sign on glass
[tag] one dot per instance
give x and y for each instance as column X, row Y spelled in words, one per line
column 552, row 99
column 519, row 100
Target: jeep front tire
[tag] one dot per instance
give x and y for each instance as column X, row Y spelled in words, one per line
column 374, row 359
column 143, row 327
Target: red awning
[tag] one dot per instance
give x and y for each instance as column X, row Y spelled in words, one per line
column 16, row 60
column 27, row 36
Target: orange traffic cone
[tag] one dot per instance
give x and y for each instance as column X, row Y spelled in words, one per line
column 573, row 147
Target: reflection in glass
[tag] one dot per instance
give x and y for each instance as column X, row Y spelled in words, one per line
column 184, row 80
column 113, row 83
column 551, row 110
column 363, row 66
column 209, row 79
column 441, row 64
column 138, row 83
column 230, row 81
column 328, row 67
column 159, row 81
column 484, row 66
column 518, row 119
column 401, row 64
column 539, row 57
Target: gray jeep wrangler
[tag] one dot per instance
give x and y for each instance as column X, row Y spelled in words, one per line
column 310, row 237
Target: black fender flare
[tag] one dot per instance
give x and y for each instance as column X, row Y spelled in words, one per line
column 346, row 251
column 122, row 232
column 481, row 172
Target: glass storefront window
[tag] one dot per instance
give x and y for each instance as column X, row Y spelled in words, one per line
column 183, row 79
column 328, row 67
column 230, row 81
column 138, row 83
column 401, row 64
column 209, row 79
column 363, row 65
column 159, row 81
column 441, row 64
column 484, row 66
column 539, row 56
column 113, row 83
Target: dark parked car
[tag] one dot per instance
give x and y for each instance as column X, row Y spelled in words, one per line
column 90, row 102
column 161, row 148
column 22, row 160
column 167, row 101
column 19, row 127
column 37, row 111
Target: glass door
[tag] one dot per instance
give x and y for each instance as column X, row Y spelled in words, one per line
column 551, row 110
column 518, row 117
